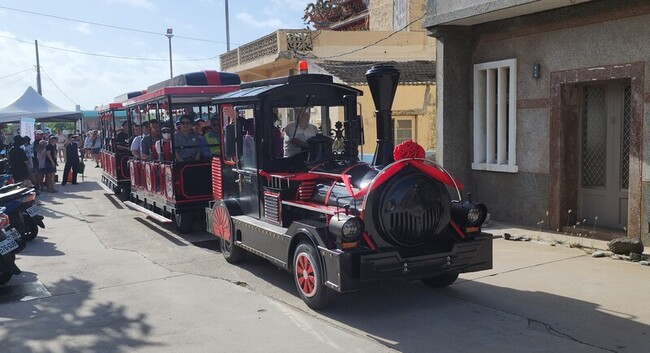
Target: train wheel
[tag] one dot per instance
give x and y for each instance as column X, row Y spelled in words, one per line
column 183, row 222
column 439, row 281
column 309, row 278
column 222, row 227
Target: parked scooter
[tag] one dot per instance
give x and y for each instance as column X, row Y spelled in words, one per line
column 23, row 213
column 10, row 245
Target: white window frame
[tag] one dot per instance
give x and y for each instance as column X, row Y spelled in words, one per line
column 408, row 118
column 495, row 116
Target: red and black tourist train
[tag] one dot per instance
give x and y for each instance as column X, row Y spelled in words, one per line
column 335, row 222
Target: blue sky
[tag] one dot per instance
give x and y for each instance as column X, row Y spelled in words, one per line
column 70, row 78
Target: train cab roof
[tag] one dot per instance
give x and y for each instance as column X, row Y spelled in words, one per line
column 195, row 87
column 294, row 86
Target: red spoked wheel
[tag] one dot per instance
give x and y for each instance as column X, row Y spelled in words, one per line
column 223, row 227
column 221, row 222
column 305, row 276
column 308, row 276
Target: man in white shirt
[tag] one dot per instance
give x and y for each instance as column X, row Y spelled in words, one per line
column 137, row 139
column 296, row 135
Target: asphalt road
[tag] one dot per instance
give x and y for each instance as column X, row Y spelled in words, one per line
column 122, row 283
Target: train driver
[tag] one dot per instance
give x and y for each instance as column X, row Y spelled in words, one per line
column 296, row 135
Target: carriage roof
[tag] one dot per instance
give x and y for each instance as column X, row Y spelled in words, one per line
column 260, row 89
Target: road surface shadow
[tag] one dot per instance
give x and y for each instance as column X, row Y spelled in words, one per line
column 69, row 324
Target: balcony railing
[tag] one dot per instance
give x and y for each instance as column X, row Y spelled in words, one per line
column 267, row 46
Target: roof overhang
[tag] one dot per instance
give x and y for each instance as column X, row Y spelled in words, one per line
column 452, row 12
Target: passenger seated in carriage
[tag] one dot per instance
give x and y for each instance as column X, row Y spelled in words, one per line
column 163, row 146
column 187, row 144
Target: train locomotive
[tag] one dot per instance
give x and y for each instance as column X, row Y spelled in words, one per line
column 334, row 222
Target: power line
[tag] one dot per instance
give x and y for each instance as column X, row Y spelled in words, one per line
column 22, row 77
column 107, row 25
column 57, row 86
column 16, row 73
column 107, row 55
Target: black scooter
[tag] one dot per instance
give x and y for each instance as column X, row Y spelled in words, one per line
column 10, row 244
column 19, row 206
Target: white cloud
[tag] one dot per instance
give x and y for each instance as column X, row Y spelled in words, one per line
column 147, row 4
column 83, row 28
column 273, row 23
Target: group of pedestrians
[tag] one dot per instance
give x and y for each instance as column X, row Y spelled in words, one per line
column 36, row 164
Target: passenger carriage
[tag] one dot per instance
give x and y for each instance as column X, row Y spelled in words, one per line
column 165, row 188
column 115, row 171
column 333, row 221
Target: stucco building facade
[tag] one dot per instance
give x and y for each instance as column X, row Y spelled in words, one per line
column 395, row 34
column 543, row 108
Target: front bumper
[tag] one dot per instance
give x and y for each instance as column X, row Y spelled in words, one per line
column 347, row 271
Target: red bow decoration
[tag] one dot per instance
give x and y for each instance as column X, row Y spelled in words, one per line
column 408, row 149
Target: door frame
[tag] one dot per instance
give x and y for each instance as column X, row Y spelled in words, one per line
column 559, row 162
column 614, row 91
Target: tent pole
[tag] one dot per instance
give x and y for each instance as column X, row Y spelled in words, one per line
column 38, row 71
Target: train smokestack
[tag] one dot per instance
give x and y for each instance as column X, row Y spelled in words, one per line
column 383, row 80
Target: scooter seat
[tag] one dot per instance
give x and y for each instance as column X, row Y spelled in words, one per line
column 11, row 195
column 10, row 187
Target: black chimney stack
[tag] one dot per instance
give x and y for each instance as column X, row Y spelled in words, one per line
column 383, row 80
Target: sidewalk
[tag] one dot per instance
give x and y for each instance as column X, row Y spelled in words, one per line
column 546, row 236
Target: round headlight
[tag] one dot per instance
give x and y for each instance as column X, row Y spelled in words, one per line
column 352, row 229
column 474, row 215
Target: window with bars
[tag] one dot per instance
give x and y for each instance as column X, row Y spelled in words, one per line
column 495, row 120
column 404, row 129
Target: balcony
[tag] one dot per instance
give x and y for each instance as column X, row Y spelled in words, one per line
column 269, row 47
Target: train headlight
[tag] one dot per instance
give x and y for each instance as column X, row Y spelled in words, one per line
column 469, row 214
column 347, row 228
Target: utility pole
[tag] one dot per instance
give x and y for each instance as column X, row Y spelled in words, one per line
column 170, row 34
column 38, row 71
column 227, row 29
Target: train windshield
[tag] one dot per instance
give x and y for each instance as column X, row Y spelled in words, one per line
column 295, row 125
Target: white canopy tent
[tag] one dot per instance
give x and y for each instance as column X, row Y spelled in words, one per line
column 33, row 105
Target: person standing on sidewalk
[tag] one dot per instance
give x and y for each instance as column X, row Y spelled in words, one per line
column 72, row 160
column 50, row 164
column 96, row 147
column 60, row 146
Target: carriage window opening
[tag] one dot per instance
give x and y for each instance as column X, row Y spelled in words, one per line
column 495, row 120
column 245, row 136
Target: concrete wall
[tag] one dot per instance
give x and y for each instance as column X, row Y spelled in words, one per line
column 588, row 37
column 381, row 15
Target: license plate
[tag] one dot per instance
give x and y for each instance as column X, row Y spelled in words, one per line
column 12, row 233
column 33, row 211
column 7, row 245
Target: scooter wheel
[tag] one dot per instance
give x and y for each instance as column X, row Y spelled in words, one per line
column 31, row 231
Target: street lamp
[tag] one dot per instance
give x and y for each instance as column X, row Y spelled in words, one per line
column 170, row 34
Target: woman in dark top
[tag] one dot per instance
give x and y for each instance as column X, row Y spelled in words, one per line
column 50, row 164
column 18, row 160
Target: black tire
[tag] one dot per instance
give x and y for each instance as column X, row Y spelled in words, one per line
column 31, row 230
column 440, row 281
column 126, row 193
column 223, row 228
column 232, row 253
column 5, row 277
column 184, row 222
column 308, row 277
